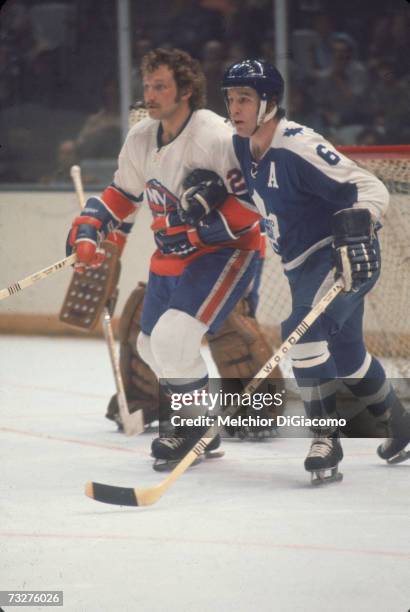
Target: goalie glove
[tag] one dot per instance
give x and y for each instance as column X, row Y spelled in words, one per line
column 354, row 241
column 204, row 191
column 88, row 231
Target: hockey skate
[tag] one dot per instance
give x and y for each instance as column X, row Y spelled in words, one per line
column 393, row 450
column 323, row 460
column 168, row 451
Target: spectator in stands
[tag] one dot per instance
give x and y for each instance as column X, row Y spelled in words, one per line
column 388, row 98
column 369, row 136
column 302, row 109
column 142, row 45
column 100, row 136
column 321, row 48
column 389, row 43
column 340, row 89
column 16, row 48
column 213, row 64
column 9, row 77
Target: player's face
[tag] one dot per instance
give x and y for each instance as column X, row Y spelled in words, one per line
column 161, row 93
column 243, row 106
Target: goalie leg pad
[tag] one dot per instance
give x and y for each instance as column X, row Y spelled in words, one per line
column 239, row 350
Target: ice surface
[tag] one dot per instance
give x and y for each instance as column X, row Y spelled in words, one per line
column 244, row 533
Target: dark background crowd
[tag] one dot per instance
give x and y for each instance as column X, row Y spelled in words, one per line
column 349, row 70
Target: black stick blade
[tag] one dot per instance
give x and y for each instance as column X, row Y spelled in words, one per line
column 121, row 496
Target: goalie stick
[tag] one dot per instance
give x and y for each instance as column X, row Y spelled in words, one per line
column 132, row 423
column 124, row 496
column 33, row 278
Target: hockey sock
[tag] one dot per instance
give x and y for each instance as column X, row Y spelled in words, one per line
column 373, row 390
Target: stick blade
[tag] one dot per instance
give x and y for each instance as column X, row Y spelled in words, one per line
column 123, row 496
column 107, row 494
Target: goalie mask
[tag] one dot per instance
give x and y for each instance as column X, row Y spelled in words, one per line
column 261, row 76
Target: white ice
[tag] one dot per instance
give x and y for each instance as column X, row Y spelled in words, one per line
column 246, row 532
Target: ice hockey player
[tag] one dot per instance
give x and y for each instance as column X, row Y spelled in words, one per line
column 239, row 348
column 181, row 161
column 321, row 210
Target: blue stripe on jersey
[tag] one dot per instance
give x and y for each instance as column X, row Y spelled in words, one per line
column 130, row 196
column 125, row 227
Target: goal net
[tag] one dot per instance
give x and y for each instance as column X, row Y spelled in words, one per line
column 387, row 320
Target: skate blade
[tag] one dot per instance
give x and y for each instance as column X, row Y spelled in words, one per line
column 399, row 458
column 163, row 465
column 320, row 477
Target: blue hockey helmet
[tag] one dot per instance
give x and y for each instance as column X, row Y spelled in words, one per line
column 259, row 75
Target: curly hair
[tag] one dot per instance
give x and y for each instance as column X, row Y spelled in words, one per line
column 186, row 70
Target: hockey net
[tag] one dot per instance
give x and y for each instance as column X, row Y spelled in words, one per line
column 387, row 322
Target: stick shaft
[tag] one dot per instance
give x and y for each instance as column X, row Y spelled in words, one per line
column 75, row 173
column 132, row 423
column 33, row 278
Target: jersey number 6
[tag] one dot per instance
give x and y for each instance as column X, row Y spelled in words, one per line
column 329, row 156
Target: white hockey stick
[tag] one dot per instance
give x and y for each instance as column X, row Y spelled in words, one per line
column 132, row 423
column 125, row 496
column 33, row 278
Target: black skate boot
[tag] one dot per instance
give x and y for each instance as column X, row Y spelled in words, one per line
column 323, row 458
column 393, row 449
column 168, row 451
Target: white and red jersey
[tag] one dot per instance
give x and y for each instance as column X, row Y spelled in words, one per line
column 151, row 173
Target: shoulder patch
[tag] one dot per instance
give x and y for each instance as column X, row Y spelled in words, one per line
column 292, row 131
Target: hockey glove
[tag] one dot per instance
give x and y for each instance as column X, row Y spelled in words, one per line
column 171, row 236
column 357, row 259
column 174, row 243
column 204, row 191
column 88, row 231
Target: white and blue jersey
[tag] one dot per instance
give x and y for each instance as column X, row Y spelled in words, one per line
column 299, row 183
column 297, row 186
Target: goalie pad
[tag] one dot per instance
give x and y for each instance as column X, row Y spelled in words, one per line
column 90, row 291
column 239, row 350
column 140, row 383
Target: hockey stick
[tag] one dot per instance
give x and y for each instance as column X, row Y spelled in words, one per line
column 33, row 278
column 125, row 496
column 132, row 423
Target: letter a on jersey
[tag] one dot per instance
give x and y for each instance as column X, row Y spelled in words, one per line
column 272, row 182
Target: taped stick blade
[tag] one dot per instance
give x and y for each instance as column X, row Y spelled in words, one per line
column 123, row 496
column 107, row 494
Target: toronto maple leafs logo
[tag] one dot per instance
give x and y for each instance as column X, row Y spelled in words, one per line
column 292, row 131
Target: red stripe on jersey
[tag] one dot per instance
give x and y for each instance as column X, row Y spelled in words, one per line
column 238, row 216
column 117, row 203
column 174, row 265
column 229, row 277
